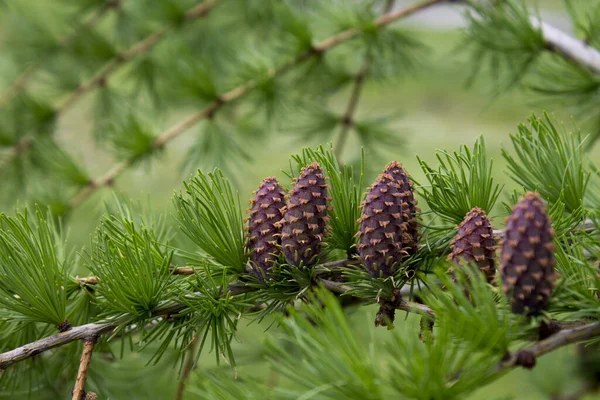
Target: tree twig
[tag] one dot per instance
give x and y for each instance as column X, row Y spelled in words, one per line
column 348, row 117
column 527, row 356
column 567, row 46
column 86, row 358
column 408, row 306
column 187, row 368
column 237, row 93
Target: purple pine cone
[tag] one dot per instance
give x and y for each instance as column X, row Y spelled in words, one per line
column 410, row 242
column 474, row 242
column 527, row 263
column 266, row 210
column 305, row 218
column 383, row 229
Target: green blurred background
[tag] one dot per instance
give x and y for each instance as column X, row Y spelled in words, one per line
column 436, row 111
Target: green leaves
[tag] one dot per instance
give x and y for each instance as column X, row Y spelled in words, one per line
column 549, row 162
column 33, row 268
column 132, row 139
column 469, row 309
column 463, row 180
column 321, row 352
column 209, row 213
column 503, row 39
column 132, row 266
column 213, row 316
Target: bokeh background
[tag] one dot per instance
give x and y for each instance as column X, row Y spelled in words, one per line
column 433, row 108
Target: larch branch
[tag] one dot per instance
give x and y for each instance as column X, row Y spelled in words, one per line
column 527, row 356
column 572, row 49
column 101, row 77
column 143, row 46
column 242, row 90
column 23, row 80
column 357, row 86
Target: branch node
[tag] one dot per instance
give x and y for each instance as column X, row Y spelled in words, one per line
column 64, row 326
column 526, row 359
column 548, row 329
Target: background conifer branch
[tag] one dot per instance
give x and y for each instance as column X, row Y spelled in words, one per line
column 347, row 118
column 357, row 85
column 198, row 11
column 240, row 91
column 121, row 59
column 572, row 49
column 24, row 78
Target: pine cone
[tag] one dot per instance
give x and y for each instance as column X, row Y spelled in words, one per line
column 305, row 217
column 264, row 242
column 410, row 243
column 527, row 263
column 474, row 241
column 383, row 229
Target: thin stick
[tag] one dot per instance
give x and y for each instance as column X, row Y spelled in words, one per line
column 348, row 117
column 403, row 305
column 187, row 368
column 526, row 357
column 24, row 79
column 359, row 79
column 568, row 47
column 237, row 93
column 86, row 358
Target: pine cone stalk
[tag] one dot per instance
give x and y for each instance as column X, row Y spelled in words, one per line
column 527, row 262
column 305, row 219
column 265, row 212
column 474, row 242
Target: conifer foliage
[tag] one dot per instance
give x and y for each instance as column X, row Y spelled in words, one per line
column 312, row 245
column 137, row 291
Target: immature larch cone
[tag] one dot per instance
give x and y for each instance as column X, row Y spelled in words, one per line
column 527, row 262
column 305, row 218
column 410, row 242
column 264, row 242
column 382, row 227
column 474, row 242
